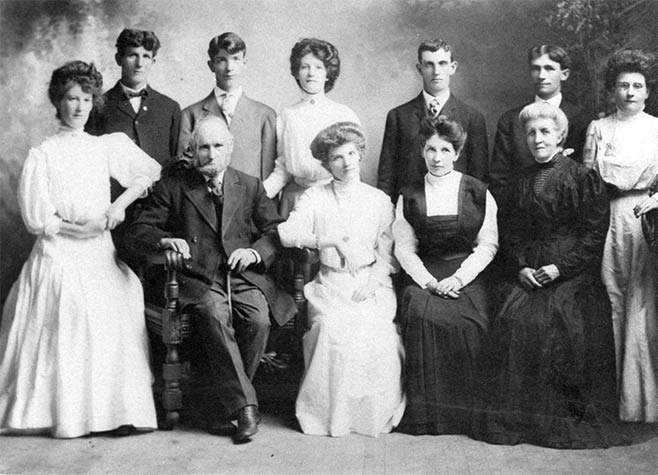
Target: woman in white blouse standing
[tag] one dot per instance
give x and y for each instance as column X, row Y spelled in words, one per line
column 315, row 65
column 623, row 148
column 445, row 236
column 73, row 348
column 352, row 349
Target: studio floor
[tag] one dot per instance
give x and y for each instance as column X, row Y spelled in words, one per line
column 280, row 448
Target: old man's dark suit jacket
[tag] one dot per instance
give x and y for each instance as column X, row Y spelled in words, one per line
column 154, row 128
column 401, row 162
column 181, row 206
column 253, row 128
column 511, row 155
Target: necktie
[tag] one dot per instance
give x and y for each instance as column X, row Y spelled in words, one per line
column 434, row 108
column 228, row 107
column 215, row 187
column 132, row 94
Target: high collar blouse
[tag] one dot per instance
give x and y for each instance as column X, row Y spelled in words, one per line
column 296, row 127
column 442, row 199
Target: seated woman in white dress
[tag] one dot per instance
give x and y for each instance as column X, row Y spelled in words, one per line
column 315, row 65
column 73, row 348
column 352, row 349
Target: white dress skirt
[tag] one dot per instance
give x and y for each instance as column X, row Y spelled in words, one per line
column 624, row 149
column 73, row 342
column 353, row 352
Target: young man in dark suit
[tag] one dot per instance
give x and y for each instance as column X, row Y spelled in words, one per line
column 252, row 123
column 150, row 119
column 207, row 211
column 400, row 162
column 550, row 67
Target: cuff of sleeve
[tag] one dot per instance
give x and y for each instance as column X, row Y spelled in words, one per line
column 143, row 181
column 52, row 226
column 257, row 256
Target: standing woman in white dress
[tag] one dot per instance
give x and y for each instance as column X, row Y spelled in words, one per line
column 352, row 349
column 73, row 349
column 315, row 65
column 623, row 147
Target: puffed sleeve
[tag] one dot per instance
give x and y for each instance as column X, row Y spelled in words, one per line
column 298, row 230
column 280, row 175
column 591, row 197
column 129, row 164
column 406, row 248
column 385, row 262
column 591, row 146
column 39, row 213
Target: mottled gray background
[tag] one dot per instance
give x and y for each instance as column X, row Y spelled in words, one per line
column 377, row 40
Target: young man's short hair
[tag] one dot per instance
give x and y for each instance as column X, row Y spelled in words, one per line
column 435, row 44
column 229, row 42
column 555, row 53
column 130, row 38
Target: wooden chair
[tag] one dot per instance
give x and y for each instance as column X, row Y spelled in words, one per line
column 173, row 326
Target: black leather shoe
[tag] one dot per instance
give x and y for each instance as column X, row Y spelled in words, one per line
column 248, row 419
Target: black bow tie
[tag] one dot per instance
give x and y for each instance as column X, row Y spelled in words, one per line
column 131, row 94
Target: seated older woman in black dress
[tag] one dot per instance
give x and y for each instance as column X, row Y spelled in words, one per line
column 553, row 367
column 445, row 235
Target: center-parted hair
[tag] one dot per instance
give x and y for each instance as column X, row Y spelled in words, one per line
column 555, row 53
column 75, row 73
column 130, row 38
column 544, row 110
column 228, row 41
column 435, row 44
column 449, row 130
column 324, row 51
column 336, row 135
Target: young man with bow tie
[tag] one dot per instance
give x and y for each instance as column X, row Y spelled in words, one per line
column 252, row 123
column 132, row 106
column 400, row 162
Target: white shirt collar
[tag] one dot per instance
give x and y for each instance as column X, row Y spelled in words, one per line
column 556, row 100
column 129, row 89
column 442, row 97
column 220, row 93
column 220, row 177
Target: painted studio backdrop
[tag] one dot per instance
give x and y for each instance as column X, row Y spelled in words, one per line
column 377, row 40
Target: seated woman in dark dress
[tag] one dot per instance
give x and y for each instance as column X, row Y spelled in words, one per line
column 552, row 360
column 445, row 235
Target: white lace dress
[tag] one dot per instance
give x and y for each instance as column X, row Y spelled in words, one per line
column 353, row 353
column 73, row 347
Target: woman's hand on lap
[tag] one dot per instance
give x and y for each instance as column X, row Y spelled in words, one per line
column 546, row 274
column 528, row 279
column 366, row 291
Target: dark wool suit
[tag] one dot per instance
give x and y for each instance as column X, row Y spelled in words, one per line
column 253, row 128
column 401, row 162
column 181, row 206
column 154, row 128
column 511, row 155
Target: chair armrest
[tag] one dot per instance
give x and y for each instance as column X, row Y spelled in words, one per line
column 172, row 260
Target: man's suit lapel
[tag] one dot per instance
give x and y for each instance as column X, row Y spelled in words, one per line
column 449, row 107
column 122, row 104
column 419, row 107
column 234, row 193
column 211, row 107
column 241, row 111
column 197, row 193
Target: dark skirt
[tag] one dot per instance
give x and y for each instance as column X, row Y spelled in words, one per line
column 549, row 377
column 442, row 340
